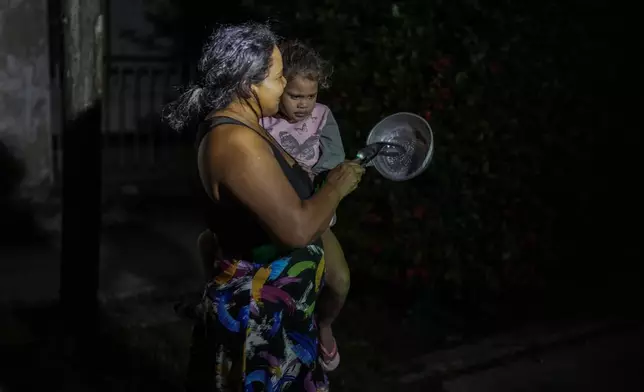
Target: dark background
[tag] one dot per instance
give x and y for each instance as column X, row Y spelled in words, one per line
column 529, row 212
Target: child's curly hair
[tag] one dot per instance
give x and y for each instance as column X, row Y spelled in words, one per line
column 299, row 59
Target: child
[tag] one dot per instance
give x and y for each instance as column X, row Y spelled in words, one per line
column 308, row 132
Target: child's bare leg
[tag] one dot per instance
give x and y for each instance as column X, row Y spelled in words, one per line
column 335, row 290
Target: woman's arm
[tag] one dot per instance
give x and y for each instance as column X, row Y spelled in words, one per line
column 243, row 161
column 331, row 148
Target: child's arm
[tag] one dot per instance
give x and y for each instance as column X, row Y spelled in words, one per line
column 331, row 148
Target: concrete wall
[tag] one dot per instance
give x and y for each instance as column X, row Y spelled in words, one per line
column 25, row 109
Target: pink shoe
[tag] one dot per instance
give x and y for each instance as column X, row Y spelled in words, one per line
column 333, row 356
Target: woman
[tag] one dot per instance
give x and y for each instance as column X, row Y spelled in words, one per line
column 259, row 332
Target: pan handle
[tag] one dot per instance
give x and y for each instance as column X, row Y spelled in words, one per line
column 368, row 153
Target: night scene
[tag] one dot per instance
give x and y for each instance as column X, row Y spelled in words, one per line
column 320, row 196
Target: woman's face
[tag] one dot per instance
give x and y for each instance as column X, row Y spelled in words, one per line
column 270, row 90
column 299, row 98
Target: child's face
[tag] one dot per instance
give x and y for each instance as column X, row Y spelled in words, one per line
column 299, row 98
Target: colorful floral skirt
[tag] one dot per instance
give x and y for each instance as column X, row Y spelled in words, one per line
column 259, row 333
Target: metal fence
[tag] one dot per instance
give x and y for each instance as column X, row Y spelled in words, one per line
column 138, row 149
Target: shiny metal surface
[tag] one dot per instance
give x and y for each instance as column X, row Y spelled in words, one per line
column 411, row 132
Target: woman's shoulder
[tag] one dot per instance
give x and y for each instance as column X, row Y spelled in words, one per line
column 235, row 137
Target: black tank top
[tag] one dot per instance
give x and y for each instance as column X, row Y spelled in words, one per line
column 239, row 231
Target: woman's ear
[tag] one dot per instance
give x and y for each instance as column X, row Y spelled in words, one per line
column 254, row 89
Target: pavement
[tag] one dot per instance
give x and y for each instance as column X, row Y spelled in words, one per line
column 609, row 363
column 155, row 254
column 141, row 254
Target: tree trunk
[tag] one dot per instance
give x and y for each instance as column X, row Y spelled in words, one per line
column 81, row 61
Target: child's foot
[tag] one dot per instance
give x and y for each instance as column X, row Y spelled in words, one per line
column 329, row 355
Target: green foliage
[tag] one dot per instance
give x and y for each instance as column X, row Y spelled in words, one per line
column 501, row 85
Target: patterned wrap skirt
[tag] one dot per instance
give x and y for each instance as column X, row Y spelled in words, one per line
column 259, row 331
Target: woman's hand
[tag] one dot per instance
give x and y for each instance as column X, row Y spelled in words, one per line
column 345, row 177
column 242, row 161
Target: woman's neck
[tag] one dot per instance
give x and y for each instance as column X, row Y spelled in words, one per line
column 240, row 111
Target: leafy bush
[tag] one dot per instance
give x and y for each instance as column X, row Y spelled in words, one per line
column 502, row 86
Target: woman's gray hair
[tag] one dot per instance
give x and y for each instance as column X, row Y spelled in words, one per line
column 234, row 58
